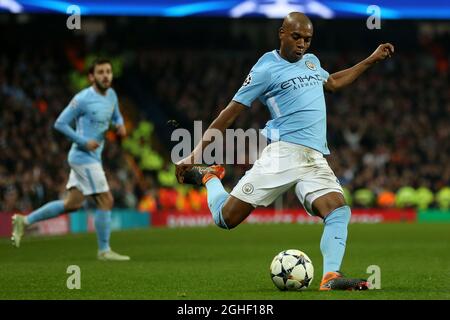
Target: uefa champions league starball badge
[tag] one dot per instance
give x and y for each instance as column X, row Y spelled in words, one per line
column 247, row 80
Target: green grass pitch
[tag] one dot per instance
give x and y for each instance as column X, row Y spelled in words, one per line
column 210, row 263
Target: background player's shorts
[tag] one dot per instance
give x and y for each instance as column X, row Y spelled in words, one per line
column 88, row 178
column 281, row 166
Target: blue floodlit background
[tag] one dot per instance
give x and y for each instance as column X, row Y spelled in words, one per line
column 390, row 9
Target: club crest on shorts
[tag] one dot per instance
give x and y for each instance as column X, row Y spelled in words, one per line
column 311, row 65
column 248, row 188
column 247, row 80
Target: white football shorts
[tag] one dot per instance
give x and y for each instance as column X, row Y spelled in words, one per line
column 88, row 178
column 281, row 166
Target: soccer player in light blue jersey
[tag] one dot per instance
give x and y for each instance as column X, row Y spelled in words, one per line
column 291, row 83
column 92, row 110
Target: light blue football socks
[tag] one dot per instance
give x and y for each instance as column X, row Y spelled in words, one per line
column 216, row 200
column 103, row 227
column 47, row 211
column 55, row 208
column 334, row 238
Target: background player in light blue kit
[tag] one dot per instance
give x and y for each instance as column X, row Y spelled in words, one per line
column 291, row 84
column 92, row 110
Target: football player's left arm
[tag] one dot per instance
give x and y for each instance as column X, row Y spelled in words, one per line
column 117, row 121
column 223, row 121
column 64, row 121
column 345, row 77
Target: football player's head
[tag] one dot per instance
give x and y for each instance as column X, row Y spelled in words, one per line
column 295, row 36
column 101, row 74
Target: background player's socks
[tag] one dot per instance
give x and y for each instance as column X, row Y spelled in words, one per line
column 103, row 228
column 216, row 199
column 47, row 211
column 334, row 238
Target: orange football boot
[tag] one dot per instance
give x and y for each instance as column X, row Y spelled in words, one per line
column 337, row 281
column 200, row 175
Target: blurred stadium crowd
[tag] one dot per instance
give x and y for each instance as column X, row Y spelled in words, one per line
column 389, row 133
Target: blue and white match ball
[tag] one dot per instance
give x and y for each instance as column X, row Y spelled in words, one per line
column 291, row 270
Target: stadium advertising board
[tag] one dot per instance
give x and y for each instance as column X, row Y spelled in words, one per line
column 79, row 222
column 260, row 216
column 83, row 221
column 433, row 215
column 122, row 219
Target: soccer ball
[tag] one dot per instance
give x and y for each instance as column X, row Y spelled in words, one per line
column 291, row 270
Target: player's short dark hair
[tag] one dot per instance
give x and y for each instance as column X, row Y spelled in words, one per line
column 97, row 62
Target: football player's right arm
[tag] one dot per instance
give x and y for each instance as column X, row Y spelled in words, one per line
column 63, row 125
column 221, row 123
column 254, row 85
column 225, row 119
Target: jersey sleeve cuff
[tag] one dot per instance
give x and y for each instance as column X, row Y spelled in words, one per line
column 248, row 105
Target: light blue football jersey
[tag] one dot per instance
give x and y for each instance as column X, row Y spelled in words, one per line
column 92, row 114
column 294, row 94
